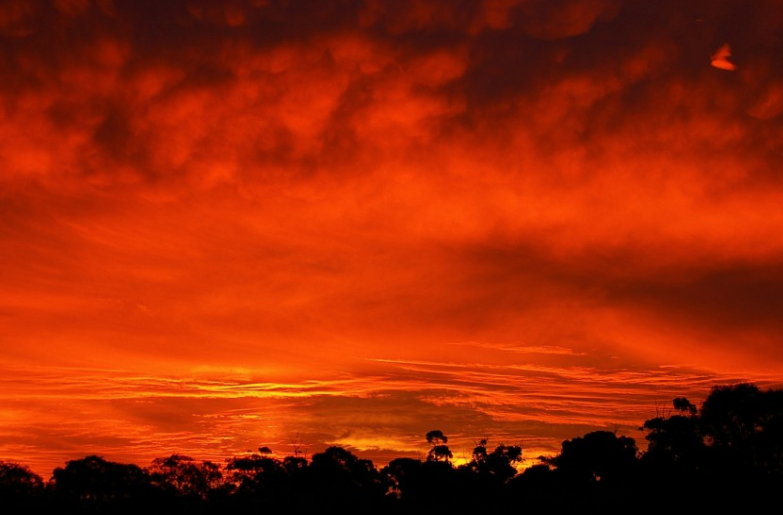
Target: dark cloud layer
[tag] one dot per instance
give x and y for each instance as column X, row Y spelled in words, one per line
column 152, row 89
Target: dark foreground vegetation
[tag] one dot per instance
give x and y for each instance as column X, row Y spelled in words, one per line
column 726, row 455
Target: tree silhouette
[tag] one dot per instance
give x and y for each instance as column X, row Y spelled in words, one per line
column 255, row 475
column 480, row 451
column 405, row 476
column 94, row 481
column 185, row 476
column 498, row 465
column 440, row 451
column 436, row 437
column 21, row 490
column 18, row 481
column 597, row 456
column 744, row 427
column 683, row 405
column 675, row 445
column 339, row 463
column 540, row 486
column 293, row 464
column 339, row 481
column 728, row 452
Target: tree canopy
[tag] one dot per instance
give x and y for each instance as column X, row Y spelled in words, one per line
column 730, row 448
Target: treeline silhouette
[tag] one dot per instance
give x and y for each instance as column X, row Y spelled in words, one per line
column 727, row 453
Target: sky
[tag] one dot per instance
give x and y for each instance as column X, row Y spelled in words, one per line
column 295, row 224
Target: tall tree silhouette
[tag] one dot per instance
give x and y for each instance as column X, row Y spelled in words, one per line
column 744, row 426
column 675, row 446
column 439, row 451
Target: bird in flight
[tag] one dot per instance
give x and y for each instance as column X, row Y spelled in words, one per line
column 720, row 59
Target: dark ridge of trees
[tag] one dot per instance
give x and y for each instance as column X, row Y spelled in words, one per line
column 20, row 488
column 728, row 453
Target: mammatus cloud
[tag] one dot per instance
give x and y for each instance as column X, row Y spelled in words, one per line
column 327, row 197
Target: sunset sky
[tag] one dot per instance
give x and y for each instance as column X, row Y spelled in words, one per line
column 226, row 225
